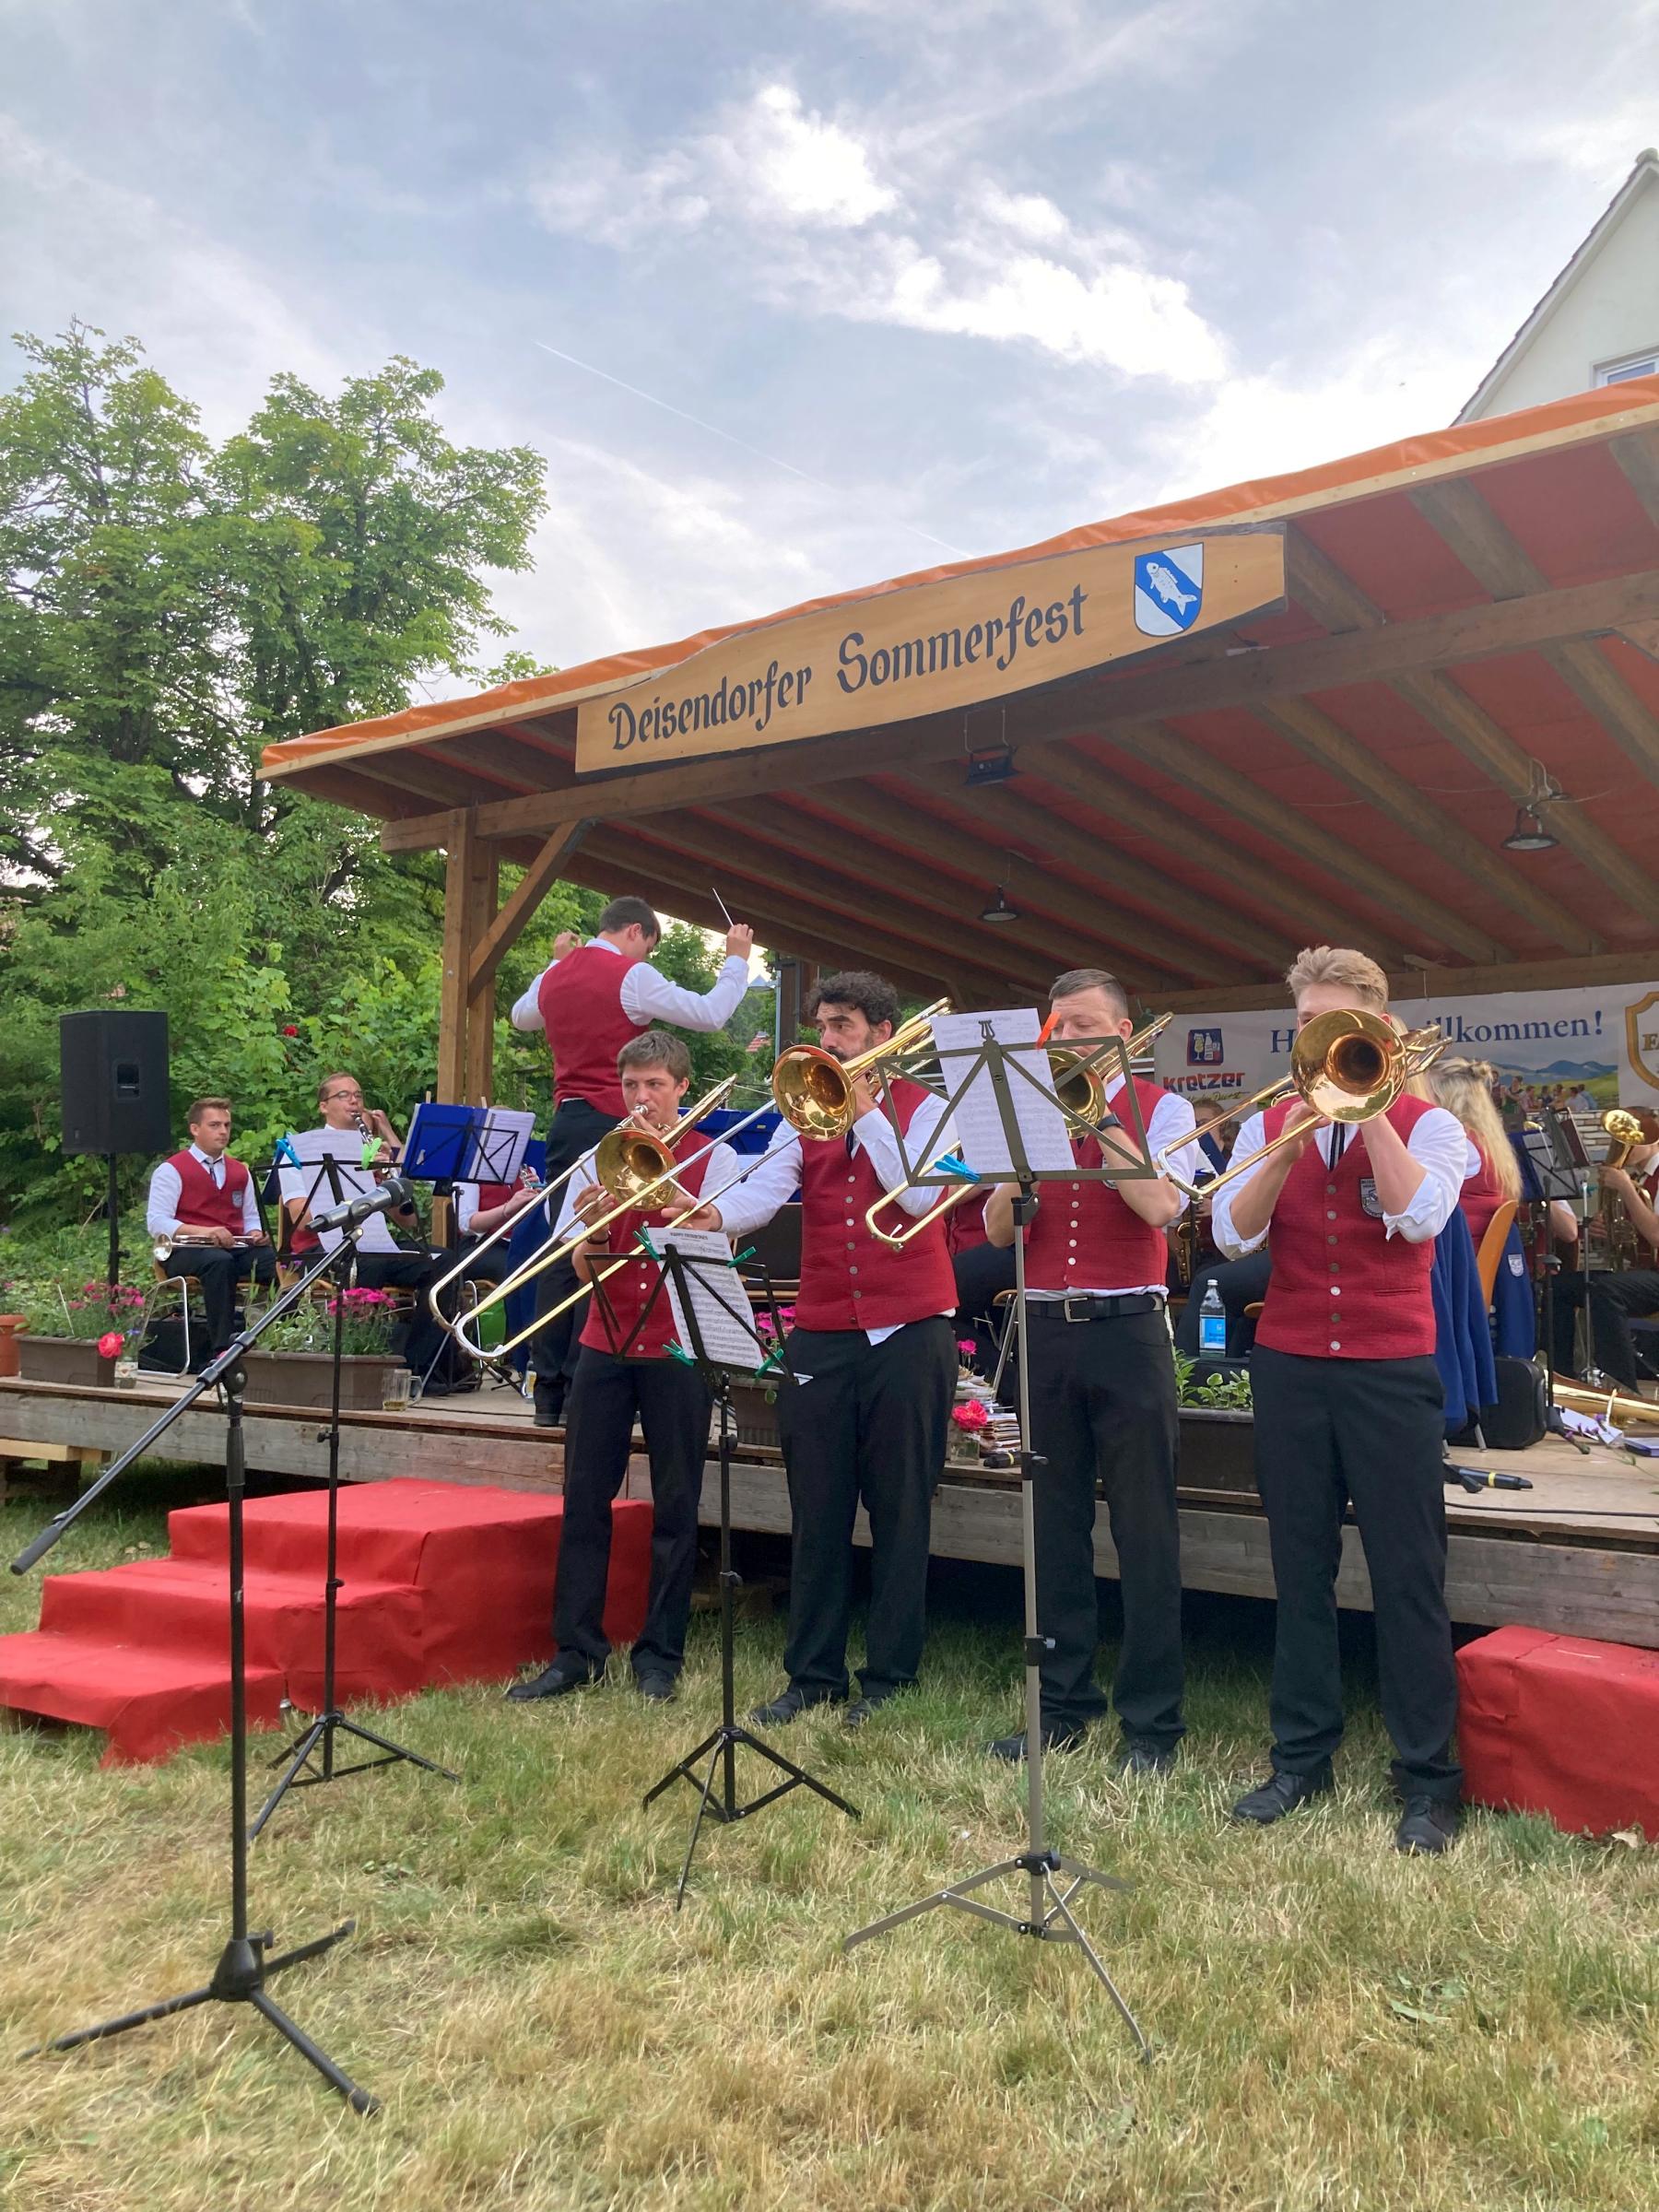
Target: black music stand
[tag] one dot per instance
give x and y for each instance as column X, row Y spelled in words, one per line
column 242, row 1969
column 1049, row 1917
column 716, row 1348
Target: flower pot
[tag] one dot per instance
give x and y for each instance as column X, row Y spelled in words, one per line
column 10, row 1325
column 73, row 1360
column 1218, row 1449
column 305, row 1378
column 754, row 1414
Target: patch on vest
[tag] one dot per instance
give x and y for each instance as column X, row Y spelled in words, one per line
column 1368, row 1199
column 1517, row 1265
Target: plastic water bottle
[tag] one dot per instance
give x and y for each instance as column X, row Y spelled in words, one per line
column 1212, row 1325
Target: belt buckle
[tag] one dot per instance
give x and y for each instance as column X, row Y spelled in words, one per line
column 1085, row 1302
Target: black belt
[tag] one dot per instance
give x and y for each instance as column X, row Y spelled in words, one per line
column 1094, row 1309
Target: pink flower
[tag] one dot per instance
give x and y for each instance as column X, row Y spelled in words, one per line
column 966, row 1345
column 290, row 1029
column 109, row 1344
column 970, row 1414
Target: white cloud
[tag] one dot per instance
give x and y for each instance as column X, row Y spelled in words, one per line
column 805, row 168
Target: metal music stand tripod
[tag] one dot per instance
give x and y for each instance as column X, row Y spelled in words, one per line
column 1048, row 1917
column 243, row 1968
column 691, row 1276
column 331, row 1721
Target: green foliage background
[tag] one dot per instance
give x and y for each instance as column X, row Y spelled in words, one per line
column 168, row 606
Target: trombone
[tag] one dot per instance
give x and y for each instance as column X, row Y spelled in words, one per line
column 1078, row 1072
column 1350, row 1065
column 810, row 1087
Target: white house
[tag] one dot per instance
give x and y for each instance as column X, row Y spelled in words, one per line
column 1598, row 322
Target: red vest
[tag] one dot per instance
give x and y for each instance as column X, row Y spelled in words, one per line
column 1480, row 1198
column 1342, row 1288
column 628, row 1290
column 849, row 1278
column 965, row 1224
column 1086, row 1237
column 581, row 1003
column 202, row 1204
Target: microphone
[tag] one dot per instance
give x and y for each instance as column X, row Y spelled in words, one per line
column 388, row 1197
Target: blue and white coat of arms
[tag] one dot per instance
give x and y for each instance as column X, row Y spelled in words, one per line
column 1169, row 590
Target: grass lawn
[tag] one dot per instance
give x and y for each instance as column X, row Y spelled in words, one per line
column 1334, row 2026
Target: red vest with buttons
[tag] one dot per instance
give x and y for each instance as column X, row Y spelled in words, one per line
column 1085, row 1237
column 1342, row 1288
column 581, row 1003
column 1480, row 1197
column 849, row 1278
column 202, row 1204
column 627, row 1291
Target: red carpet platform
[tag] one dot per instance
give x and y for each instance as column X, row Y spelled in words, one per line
column 1559, row 1725
column 441, row 1583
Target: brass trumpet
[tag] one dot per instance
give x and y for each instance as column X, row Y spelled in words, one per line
column 1350, row 1065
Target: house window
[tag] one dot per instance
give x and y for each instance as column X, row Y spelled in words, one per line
column 1633, row 364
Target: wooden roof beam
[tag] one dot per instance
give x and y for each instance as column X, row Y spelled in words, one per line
column 1637, row 454
column 1332, row 598
column 1091, row 707
column 1171, row 754
column 1491, row 552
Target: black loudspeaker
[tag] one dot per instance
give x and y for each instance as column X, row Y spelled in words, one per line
column 114, row 1071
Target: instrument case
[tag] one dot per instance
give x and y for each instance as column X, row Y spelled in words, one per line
column 1561, row 1725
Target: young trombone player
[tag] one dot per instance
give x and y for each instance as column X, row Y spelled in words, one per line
column 1102, row 1391
column 623, row 1371
column 1348, row 1402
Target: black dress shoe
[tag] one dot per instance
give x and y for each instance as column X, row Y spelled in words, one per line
column 788, row 1705
column 1056, row 1737
column 1428, row 1826
column 859, row 1712
column 1281, row 1793
column 556, row 1681
column 549, row 1404
column 657, row 1689
column 1137, row 1755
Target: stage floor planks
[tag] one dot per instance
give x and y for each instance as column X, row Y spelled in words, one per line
column 1579, row 1553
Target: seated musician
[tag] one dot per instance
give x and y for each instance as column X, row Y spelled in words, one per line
column 204, row 1203
column 624, row 1373
column 337, row 1175
column 1617, row 1296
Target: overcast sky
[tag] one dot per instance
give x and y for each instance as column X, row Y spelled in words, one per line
column 919, row 279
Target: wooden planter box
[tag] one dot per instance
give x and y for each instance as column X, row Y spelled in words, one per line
column 1218, row 1450
column 73, row 1360
column 305, row 1379
column 754, row 1415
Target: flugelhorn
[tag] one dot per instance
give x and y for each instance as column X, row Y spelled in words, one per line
column 1626, row 1131
column 1350, row 1065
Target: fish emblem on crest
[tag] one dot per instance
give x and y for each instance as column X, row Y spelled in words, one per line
column 1169, row 590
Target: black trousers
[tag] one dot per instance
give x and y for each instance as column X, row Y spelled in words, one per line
column 1615, row 1299
column 574, row 1129
column 1104, row 1407
column 673, row 1407
column 221, row 1275
column 870, row 1423
column 982, row 1270
column 1328, row 1431
column 1241, row 1283
column 424, row 1340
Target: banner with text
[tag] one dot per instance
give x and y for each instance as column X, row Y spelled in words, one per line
column 937, row 645
column 1604, row 1043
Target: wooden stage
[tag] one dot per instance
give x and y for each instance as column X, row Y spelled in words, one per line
column 1579, row 1553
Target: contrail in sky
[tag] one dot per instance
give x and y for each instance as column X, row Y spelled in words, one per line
column 715, row 432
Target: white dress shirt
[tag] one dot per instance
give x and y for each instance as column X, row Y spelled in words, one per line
column 166, row 1190
column 315, row 1180
column 648, row 996
column 1437, row 1142
column 1173, row 1118
column 930, row 1134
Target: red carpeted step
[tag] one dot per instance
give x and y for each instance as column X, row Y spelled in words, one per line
column 147, row 1703
column 182, row 1607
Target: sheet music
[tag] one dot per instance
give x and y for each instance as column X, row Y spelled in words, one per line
column 724, row 1331
column 981, row 1132
column 501, row 1140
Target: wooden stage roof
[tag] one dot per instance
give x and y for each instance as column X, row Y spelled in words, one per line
column 1469, row 619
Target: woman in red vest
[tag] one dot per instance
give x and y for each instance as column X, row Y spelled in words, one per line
column 874, row 1344
column 1464, row 1088
column 591, row 1000
column 205, row 1200
column 623, row 1372
column 1349, row 1408
column 1102, row 1387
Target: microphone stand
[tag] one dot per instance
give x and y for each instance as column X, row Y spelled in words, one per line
column 331, row 1721
column 243, row 1968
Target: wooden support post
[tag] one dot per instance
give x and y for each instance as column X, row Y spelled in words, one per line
column 460, row 843
column 483, row 888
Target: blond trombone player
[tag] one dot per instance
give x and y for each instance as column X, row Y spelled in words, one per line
column 623, row 1372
